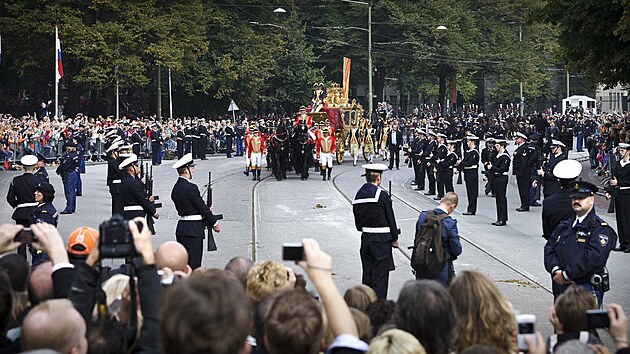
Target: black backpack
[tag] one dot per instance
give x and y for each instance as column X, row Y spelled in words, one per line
column 428, row 257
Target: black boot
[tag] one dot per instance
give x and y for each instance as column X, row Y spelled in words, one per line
column 253, row 174
column 329, row 172
column 258, row 177
column 323, row 174
column 246, row 172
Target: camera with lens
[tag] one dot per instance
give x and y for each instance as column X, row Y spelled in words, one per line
column 115, row 240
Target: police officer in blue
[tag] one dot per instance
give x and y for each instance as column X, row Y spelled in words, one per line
column 21, row 195
column 374, row 218
column 578, row 131
column 557, row 207
column 69, row 172
column 240, row 136
column 134, row 198
column 193, row 212
column 470, row 169
column 578, row 249
column 81, row 139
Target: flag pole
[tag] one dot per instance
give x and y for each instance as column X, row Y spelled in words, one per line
column 170, row 93
column 56, row 75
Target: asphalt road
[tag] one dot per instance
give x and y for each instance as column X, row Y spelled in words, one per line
column 260, row 216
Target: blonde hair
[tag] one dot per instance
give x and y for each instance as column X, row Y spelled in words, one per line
column 264, row 278
column 483, row 315
column 114, row 288
column 359, row 297
column 395, row 341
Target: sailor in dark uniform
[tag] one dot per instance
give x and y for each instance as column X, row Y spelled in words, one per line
column 445, row 166
column 156, row 143
column 488, row 155
column 45, row 212
column 193, row 212
column 194, row 135
column 180, row 143
column 500, row 169
column 621, row 181
column 203, row 139
column 578, row 249
column 557, row 207
column 69, row 172
column 41, row 168
column 134, row 198
column 440, row 154
column 470, row 169
column 374, row 217
column 187, row 138
column 429, row 162
column 136, row 139
column 114, row 177
column 550, row 182
column 520, row 168
column 21, row 195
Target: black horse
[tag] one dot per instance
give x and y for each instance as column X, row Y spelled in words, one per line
column 279, row 145
column 302, row 151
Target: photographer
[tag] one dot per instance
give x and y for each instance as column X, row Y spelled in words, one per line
column 84, row 288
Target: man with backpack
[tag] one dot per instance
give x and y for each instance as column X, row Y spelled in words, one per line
column 374, row 217
column 436, row 243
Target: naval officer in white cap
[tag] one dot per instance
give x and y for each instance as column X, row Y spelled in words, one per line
column 374, row 217
column 194, row 213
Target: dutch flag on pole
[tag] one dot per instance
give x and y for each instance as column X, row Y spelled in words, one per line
column 58, row 55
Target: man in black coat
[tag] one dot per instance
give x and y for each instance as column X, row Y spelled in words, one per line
column 114, row 178
column 550, row 182
column 193, row 212
column 228, row 135
column 394, row 143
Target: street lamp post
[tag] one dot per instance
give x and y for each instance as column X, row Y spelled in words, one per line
column 370, row 70
column 521, row 98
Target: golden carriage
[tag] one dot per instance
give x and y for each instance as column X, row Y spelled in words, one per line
column 341, row 115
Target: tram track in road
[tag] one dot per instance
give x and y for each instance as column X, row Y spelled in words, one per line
column 466, row 239
column 255, row 203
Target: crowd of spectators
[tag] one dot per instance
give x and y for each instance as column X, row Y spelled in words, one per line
column 156, row 304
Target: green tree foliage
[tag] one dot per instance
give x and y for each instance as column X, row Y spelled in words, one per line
column 594, row 37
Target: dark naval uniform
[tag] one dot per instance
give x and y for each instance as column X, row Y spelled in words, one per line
column 135, row 201
column 45, row 213
column 500, row 170
column 445, row 168
column 42, row 174
column 622, row 203
column 374, row 217
column 21, row 197
column 180, row 144
column 580, row 250
column 521, row 169
column 555, row 209
column 114, row 179
column 194, row 215
column 136, row 141
column 488, row 155
column 551, row 182
column 470, row 167
column 441, row 153
column 429, row 160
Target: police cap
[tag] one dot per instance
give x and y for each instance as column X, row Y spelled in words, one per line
column 583, row 189
column 45, row 187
